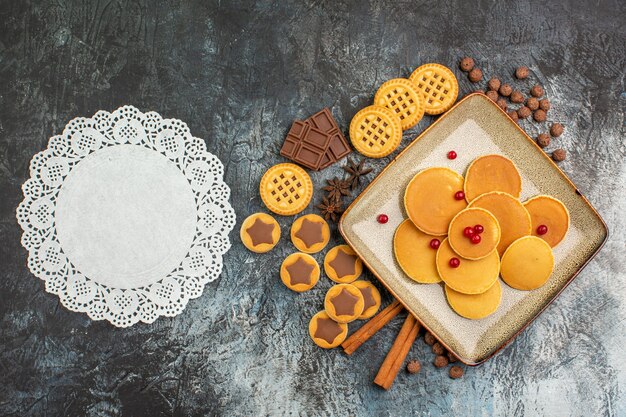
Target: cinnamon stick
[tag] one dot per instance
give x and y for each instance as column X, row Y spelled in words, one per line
column 400, row 348
column 356, row 339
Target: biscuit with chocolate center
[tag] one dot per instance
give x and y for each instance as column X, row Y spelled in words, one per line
column 259, row 232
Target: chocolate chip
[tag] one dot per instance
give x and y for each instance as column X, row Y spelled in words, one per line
column 523, row 112
column 413, row 367
column 513, row 115
column 493, row 84
column 539, row 115
column 505, row 90
column 501, row 103
column 543, row 140
column 441, row 361
column 517, row 97
column 536, row 91
column 456, row 372
column 521, row 73
column 559, row 155
column 475, row 75
column 532, row 103
column 466, row 64
column 556, row 130
column 438, row 349
column 493, row 95
column 544, row 104
column 429, row 339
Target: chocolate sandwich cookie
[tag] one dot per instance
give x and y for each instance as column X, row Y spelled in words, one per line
column 371, row 298
column 344, row 303
column 260, row 232
column 325, row 332
column 299, row 272
column 310, row 233
column 342, row 265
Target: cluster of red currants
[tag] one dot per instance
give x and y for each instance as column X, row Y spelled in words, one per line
column 473, row 233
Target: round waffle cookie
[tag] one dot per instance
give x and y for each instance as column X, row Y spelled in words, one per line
column 286, row 189
column 403, row 98
column 438, row 85
column 375, row 131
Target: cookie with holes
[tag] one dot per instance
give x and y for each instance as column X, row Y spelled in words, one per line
column 286, row 189
column 259, row 232
column 438, row 85
column 403, row 98
column 375, row 131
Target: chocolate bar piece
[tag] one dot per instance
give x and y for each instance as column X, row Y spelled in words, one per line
column 305, row 144
column 315, row 143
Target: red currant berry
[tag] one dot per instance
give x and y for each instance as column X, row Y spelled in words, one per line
column 454, row 262
column 435, row 243
column 476, row 239
column 479, row 229
column 468, row 232
column 451, row 155
column 459, row 195
column 382, row 218
column 542, row 229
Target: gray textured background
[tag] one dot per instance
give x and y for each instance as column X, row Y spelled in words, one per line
column 238, row 74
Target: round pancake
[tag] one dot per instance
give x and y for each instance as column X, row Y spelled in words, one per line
column 471, row 277
column 414, row 254
column 476, row 306
column 429, row 199
column 492, row 173
column 512, row 217
column 527, row 263
column 551, row 212
column 470, row 217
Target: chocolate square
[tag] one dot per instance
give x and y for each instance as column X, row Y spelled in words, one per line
column 315, row 143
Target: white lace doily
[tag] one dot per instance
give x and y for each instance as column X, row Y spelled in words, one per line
column 126, row 216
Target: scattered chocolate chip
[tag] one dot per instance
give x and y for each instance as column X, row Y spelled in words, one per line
column 532, row 103
column 429, row 339
column 505, row 90
column 413, row 367
column 438, row 349
column 517, row 97
column 493, row 84
column 559, row 155
column 556, row 130
column 493, row 95
column 539, row 115
column 452, row 358
column 523, row 112
column 441, row 361
column 521, row 73
column 466, row 64
column 475, row 75
column 501, row 103
column 544, row 104
column 543, row 140
column 456, row 372
column 513, row 115
column 536, row 91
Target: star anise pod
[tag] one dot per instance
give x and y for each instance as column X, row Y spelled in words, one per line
column 330, row 209
column 337, row 188
column 355, row 171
